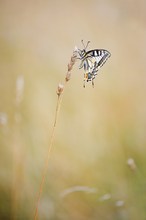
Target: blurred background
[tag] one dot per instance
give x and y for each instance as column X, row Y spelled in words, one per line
column 97, row 169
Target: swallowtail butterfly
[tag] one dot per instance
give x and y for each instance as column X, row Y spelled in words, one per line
column 92, row 61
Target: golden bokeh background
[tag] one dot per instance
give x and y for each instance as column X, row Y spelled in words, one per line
column 97, row 169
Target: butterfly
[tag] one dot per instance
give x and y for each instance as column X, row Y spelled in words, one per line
column 92, row 61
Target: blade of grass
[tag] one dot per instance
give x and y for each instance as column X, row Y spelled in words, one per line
column 60, row 91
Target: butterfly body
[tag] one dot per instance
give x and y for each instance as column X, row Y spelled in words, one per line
column 92, row 61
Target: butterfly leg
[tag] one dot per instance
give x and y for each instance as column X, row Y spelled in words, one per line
column 93, row 83
column 84, row 80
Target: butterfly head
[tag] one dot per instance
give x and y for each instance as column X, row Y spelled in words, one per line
column 83, row 52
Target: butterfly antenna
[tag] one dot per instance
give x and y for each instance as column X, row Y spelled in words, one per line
column 84, row 44
column 87, row 44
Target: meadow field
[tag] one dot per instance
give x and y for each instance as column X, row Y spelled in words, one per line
column 97, row 165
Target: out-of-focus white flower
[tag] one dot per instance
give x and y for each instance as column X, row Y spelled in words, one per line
column 119, row 203
column 131, row 164
column 3, row 118
column 105, row 197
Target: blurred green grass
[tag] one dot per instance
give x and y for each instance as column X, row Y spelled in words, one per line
column 98, row 129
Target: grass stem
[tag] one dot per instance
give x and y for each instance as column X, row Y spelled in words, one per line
column 60, row 91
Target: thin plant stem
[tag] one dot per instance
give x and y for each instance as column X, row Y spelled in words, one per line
column 60, row 91
column 18, row 151
column 48, row 156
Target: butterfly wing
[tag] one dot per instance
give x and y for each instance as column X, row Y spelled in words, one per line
column 100, row 60
column 92, row 61
column 98, row 57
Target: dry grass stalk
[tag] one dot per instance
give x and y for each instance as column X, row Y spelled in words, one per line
column 17, row 153
column 60, row 90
